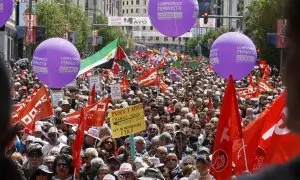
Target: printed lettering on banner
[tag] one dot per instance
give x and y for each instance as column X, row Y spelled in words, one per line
column 97, row 81
column 127, row 121
column 56, row 96
column 115, row 90
column 27, row 119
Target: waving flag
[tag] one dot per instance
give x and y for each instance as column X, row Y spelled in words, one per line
column 95, row 115
column 175, row 74
column 229, row 129
column 79, row 141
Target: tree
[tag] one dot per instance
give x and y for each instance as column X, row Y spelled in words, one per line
column 205, row 41
column 59, row 18
column 110, row 33
column 260, row 19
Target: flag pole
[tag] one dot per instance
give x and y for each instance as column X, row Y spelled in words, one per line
column 74, row 175
column 245, row 155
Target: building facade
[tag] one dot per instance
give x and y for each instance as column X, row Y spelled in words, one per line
column 8, row 39
column 147, row 35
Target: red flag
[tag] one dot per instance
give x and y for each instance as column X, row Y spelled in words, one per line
column 149, row 78
column 95, row 115
column 124, row 84
column 92, row 96
column 262, row 65
column 264, row 86
column 210, row 105
column 267, row 140
column 267, row 72
column 38, row 108
column 194, row 112
column 229, row 129
column 162, row 85
column 78, row 141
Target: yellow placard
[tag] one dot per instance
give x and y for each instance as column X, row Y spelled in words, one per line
column 127, row 121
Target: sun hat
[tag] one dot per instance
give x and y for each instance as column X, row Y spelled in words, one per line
column 109, row 177
column 124, row 168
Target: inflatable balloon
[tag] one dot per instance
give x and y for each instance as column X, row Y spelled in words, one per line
column 173, row 18
column 56, row 62
column 233, row 53
column 6, row 9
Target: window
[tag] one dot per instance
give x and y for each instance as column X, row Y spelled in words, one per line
column 123, row 3
column 127, row 2
column 151, row 28
column 131, row 10
column 127, row 11
column 151, row 38
column 145, row 10
column 144, row 28
column 137, row 10
column 123, row 11
column 145, row 2
column 166, row 38
column 137, row 2
column 157, row 38
column 131, row 2
column 179, row 39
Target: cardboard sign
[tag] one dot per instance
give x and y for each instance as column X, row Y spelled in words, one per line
column 115, row 91
column 127, row 121
column 97, row 81
column 56, row 96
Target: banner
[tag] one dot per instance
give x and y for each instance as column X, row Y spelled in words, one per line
column 30, row 29
column 127, row 121
column 281, row 33
column 129, row 21
column 115, row 91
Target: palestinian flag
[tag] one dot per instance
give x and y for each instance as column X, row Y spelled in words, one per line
column 103, row 58
column 122, row 59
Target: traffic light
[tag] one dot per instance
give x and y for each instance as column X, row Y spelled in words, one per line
column 258, row 53
column 205, row 16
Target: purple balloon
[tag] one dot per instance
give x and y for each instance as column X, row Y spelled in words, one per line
column 56, row 62
column 233, row 53
column 6, row 9
column 173, row 18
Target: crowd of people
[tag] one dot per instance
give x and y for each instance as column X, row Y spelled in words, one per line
column 176, row 145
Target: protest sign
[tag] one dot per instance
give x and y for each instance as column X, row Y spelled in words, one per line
column 127, row 121
column 56, row 96
column 115, row 90
column 95, row 80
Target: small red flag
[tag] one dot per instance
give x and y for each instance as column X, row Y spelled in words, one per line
column 210, row 104
column 124, row 84
column 78, row 141
column 92, row 96
column 229, row 129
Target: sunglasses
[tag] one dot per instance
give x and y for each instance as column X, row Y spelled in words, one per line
column 127, row 175
column 61, row 165
column 41, row 173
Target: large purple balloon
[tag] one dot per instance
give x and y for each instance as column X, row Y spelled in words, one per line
column 6, row 9
column 233, row 53
column 56, row 62
column 173, row 18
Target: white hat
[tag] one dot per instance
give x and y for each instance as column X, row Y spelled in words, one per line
column 156, row 162
column 65, row 102
column 93, row 132
column 109, row 177
column 30, row 138
column 53, row 130
column 125, row 167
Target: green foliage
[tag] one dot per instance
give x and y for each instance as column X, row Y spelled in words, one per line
column 59, row 18
column 261, row 18
column 204, row 41
column 110, row 33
